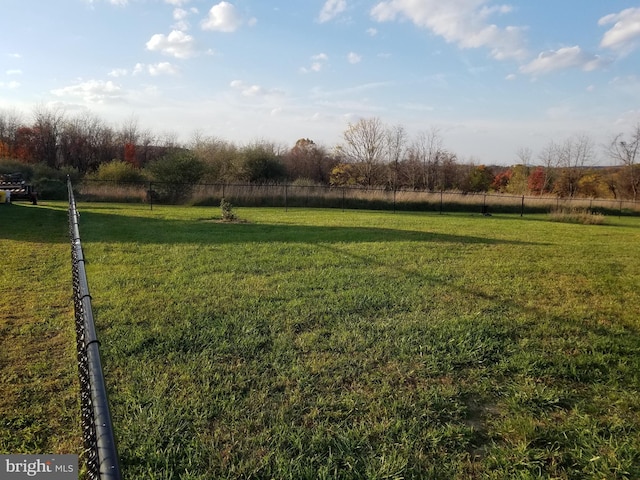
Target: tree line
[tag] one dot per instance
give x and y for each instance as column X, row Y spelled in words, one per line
column 371, row 154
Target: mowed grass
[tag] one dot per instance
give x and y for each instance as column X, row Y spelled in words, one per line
column 39, row 395
column 330, row 344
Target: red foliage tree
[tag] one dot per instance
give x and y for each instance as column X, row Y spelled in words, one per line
column 501, row 181
column 130, row 154
column 538, row 181
column 25, row 144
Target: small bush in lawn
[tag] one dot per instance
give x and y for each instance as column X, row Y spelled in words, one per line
column 577, row 215
column 228, row 215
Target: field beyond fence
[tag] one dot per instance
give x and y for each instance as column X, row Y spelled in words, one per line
column 317, row 196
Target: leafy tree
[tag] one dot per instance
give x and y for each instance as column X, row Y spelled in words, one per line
column 130, row 154
column 593, row 185
column 119, row 172
column 480, row 179
column 222, row 159
column 176, row 174
column 537, row 181
column 308, row 160
column 344, row 174
column 501, row 181
column 260, row 163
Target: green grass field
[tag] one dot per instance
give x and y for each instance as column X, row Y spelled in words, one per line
column 329, row 344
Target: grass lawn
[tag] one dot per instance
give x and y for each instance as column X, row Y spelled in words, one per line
column 330, row 344
column 39, row 394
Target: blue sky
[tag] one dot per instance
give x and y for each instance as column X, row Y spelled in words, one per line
column 492, row 77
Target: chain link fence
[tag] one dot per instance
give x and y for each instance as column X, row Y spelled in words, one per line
column 100, row 451
column 354, row 197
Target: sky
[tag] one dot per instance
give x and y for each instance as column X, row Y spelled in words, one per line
column 491, row 77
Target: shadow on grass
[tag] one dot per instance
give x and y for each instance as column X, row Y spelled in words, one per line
column 49, row 224
column 116, row 228
column 23, row 222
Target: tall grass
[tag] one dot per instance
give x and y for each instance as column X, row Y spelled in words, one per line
column 319, row 196
column 327, row 344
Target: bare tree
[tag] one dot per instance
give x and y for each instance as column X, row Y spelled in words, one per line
column 396, row 147
column 627, row 152
column 574, row 155
column 427, row 150
column 47, row 127
column 365, row 146
column 525, row 154
column 10, row 123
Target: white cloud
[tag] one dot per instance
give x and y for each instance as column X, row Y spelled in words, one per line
column 354, row 58
column 252, row 90
column 118, row 72
column 224, row 17
column 177, row 3
column 372, row 32
column 318, row 63
column 331, row 9
column 162, row 68
column 14, row 72
column 624, row 36
column 180, row 16
column 10, row 85
column 92, row 91
column 177, row 44
column 511, row 76
column 563, row 59
column 462, row 22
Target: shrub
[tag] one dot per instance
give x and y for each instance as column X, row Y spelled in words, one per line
column 260, row 164
column 51, row 189
column 8, row 165
column 176, row 175
column 119, row 172
column 228, row 215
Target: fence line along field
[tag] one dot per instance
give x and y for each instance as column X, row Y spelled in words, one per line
column 325, row 344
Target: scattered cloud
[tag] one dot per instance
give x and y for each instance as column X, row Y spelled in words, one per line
column 15, row 55
column 247, row 90
column 177, row 44
column 354, row 58
column 318, row 63
column 10, row 85
column 92, row 91
column 118, row 72
column 119, row 3
column 177, row 3
column 331, row 9
column 563, row 59
column 372, row 32
column 463, row 22
column 511, row 76
column 224, row 17
column 14, row 72
column 624, row 36
column 162, row 68
column 180, row 15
